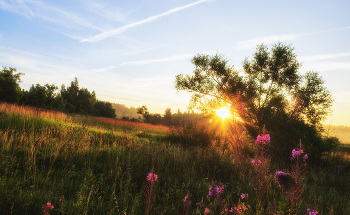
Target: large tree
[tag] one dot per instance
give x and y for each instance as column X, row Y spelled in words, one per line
column 269, row 87
column 10, row 90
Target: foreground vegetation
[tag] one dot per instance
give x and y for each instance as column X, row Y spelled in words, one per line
column 90, row 166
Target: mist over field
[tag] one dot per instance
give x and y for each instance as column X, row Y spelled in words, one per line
column 342, row 132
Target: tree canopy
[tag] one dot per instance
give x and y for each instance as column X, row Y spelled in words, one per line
column 10, row 90
column 269, row 87
column 71, row 99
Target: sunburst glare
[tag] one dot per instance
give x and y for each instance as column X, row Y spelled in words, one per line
column 223, row 113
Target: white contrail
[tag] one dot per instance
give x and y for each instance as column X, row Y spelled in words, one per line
column 106, row 34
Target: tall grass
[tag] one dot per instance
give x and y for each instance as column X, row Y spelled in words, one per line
column 83, row 165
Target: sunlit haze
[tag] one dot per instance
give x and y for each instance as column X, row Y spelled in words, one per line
column 223, row 113
column 129, row 52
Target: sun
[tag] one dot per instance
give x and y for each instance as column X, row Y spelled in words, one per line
column 223, row 113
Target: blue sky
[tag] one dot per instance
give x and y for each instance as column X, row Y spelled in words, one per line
column 130, row 51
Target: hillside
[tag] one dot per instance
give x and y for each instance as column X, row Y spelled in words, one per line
column 123, row 111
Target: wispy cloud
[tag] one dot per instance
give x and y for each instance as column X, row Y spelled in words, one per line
column 43, row 11
column 107, row 11
column 104, row 69
column 142, row 62
column 171, row 58
column 252, row 43
column 106, row 34
column 322, row 66
column 323, row 62
column 324, row 56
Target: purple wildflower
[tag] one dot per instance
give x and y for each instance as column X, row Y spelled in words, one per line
column 296, row 153
column 47, row 208
column 152, row 177
column 216, row 189
column 253, row 161
column 185, row 199
column 285, row 180
column 210, row 191
column 243, row 196
column 311, row 213
column 305, row 157
column 263, row 139
column 219, row 190
column 238, row 209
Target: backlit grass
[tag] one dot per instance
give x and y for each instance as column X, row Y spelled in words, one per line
column 83, row 165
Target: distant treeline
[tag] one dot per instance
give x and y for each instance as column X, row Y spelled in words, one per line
column 141, row 114
column 72, row 99
column 342, row 132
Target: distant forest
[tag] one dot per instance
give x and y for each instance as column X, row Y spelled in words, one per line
column 78, row 100
column 124, row 112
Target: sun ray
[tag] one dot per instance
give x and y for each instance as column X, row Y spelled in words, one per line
column 223, row 113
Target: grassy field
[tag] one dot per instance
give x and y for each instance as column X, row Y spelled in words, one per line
column 87, row 165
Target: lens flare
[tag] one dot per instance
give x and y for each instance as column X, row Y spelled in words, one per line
column 223, row 113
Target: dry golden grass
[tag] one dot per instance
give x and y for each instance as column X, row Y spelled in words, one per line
column 32, row 111
column 133, row 124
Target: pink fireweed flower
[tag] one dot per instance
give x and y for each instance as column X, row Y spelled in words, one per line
column 206, row 210
column 186, row 201
column 49, row 205
column 47, row 208
column 219, row 190
column 311, row 213
column 216, row 189
column 296, row 153
column 256, row 162
column 305, row 157
column 243, row 196
column 152, row 177
column 285, row 180
column 279, row 174
column 263, row 139
column 239, row 209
